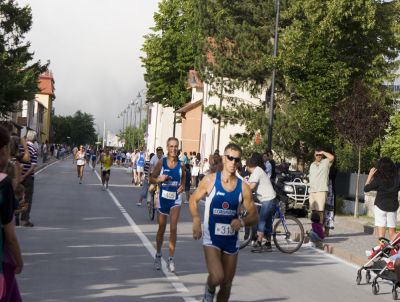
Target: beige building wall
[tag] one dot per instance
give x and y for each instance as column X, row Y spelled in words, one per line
column 191, row 127
column 46, row 101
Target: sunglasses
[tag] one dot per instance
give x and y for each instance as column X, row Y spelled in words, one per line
column 231, row 158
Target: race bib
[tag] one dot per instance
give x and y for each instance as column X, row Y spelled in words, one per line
column 223, row 229
column 168, row 195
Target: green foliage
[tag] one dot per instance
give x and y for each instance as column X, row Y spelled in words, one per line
column 236, row 42
column 133, row 137
column 18, row 74
column 79, row 128
column 325, row 47
column 347, row 157
column 170, row 54
column 391, row 144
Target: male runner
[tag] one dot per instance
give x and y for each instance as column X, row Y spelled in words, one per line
column 228, row 206
column 169, row 174
column 140, row 160
column 106, row 163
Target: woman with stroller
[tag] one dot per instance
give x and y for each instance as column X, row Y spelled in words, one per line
column 385, row 180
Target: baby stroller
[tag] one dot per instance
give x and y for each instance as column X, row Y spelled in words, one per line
column 380, row 263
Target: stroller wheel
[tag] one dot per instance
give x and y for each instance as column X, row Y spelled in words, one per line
column 375, row 288
column 368, row 276
column 394, row 294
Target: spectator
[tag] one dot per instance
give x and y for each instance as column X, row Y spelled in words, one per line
column 27, row 178
column 270, row 164
column 319, row 179
column 196, row 170
column 45, row 150
column 385, row 180
column 10, row 252
column 204, row 169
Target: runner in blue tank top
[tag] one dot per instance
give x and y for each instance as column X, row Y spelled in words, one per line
column 227, row 196
column 169, row 174
column 140, row 166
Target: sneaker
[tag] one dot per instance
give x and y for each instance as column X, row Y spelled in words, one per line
column 267, row 245
column 106, row 186
column 103, row 187
column 171, row 265
column 208, row 297
column 27, row 224
column 139, row 204
column 157, row 262
column 257, row 247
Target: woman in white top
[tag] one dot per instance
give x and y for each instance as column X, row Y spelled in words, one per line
column 80, row 162
column 196, row 170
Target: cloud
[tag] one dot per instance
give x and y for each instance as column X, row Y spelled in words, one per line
column 94, row 49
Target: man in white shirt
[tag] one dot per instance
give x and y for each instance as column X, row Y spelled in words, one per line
column 319, row 179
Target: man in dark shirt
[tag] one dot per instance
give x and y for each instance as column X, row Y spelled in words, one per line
column 27, row 178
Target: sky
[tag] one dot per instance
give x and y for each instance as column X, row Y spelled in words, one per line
column 94, row 49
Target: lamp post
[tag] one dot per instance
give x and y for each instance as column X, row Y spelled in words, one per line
column 219, row 117
column 139, row 96
column 271, row 103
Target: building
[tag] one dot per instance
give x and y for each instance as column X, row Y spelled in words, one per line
column 45, row 99
column 211, row 135
column 160, row 126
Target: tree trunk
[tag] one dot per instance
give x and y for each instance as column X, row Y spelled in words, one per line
column 358, row 183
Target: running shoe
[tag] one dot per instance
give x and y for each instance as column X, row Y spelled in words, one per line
column 139, row 204
column 267, row 246
column 157, row 262
column 208, row 297
column 171, row 265
column 106, row 186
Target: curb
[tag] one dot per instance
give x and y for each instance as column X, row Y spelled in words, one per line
column 343, row 254
column 357, row 226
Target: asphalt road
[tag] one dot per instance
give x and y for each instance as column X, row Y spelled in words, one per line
column 94, row 245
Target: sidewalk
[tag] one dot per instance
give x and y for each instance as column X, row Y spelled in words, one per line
column 350, row 239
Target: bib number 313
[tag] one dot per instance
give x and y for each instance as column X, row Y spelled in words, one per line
column 223, row 229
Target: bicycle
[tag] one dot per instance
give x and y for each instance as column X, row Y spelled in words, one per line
column 152, row 197
column 287, row 231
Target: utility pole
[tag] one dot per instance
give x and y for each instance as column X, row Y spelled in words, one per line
column 271, row 103
column 219, row 117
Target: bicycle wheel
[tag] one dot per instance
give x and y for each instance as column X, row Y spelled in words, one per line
column 150, row 207
column 245, row 236
column 288, row 234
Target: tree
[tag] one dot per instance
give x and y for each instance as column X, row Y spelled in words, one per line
column 18, row 73
column 78, row 129
column 360, row 119
column 325, row 46
column 391, row 144
column 169, row 54
column 134, row 137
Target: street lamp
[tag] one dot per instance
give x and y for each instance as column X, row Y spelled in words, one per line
column 140, row 109
column 271, row 103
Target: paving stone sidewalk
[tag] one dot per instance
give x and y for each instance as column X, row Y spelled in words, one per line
column 351, row 238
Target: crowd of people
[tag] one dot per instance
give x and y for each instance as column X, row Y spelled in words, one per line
column 229, row 184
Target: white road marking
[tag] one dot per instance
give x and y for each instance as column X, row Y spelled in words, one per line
column 40, row 171
column 175, row 282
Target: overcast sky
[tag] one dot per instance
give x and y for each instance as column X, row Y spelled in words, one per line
column 94, row 49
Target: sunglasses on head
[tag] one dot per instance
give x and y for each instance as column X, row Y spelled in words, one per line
column 231, row 158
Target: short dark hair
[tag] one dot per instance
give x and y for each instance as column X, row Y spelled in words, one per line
column 232, row 146
column 315, row 217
